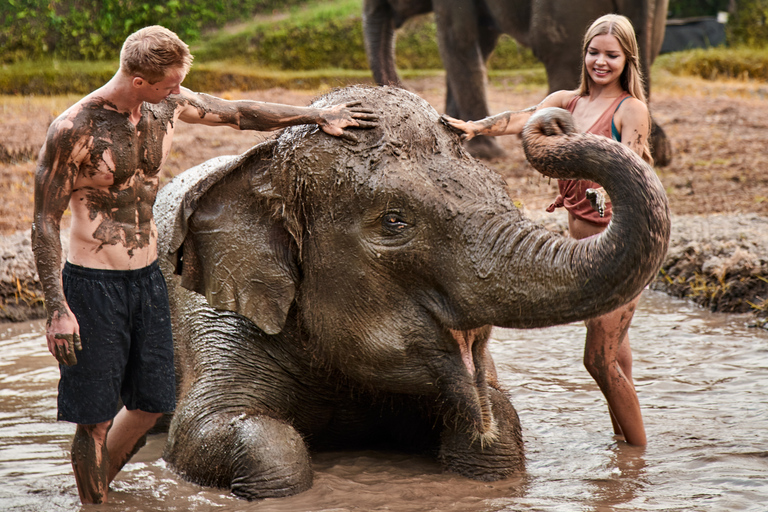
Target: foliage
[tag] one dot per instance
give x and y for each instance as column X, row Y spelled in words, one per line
column 749, row 24
column 96, row 29
column 331, row 35
column 718, row 63
column 324, row 35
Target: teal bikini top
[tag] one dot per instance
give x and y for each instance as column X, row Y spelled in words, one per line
column 615, row 135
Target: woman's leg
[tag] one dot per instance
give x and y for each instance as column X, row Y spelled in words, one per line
column 608, row 358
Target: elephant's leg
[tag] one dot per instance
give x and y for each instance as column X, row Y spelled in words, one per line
column 254, row 455
column 488, row 36
column 661, row 147
column 462, row 54
column 489, row 457
column 270, row 459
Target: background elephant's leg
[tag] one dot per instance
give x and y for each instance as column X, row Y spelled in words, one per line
column 563, row 69
column 379, row 27
column 255, row 456
column 661, row 147
column 462, row 451
column 464, row 62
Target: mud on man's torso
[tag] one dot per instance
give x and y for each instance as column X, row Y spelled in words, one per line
column 116, row 183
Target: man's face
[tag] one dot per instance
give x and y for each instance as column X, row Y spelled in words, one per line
column 171, row 84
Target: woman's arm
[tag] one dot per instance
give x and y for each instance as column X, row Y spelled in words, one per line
column 634, row 123
column 505, row 123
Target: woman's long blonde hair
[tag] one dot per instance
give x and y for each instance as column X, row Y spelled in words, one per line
column 631, row 79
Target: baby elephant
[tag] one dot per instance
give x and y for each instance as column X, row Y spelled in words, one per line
column 332, row 294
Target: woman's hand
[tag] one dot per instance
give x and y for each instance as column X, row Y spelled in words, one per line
column 467, row 129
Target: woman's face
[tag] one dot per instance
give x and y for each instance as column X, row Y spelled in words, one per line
column 605, row 59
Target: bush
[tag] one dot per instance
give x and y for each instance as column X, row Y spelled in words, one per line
column 96, row 29
column 718, row 63
column 748, row 26
column 331, row 35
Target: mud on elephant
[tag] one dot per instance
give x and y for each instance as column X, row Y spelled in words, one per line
column 467, row 32
column 343, row 293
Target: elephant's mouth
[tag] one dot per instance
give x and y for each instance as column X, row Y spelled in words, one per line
column 474, row 401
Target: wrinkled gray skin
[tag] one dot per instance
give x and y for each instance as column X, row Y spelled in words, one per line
column 353, row 287
column 467, row 32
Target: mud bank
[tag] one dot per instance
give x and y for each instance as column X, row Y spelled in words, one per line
column 718, row 261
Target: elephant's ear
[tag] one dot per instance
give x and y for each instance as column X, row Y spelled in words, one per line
column 220, row 235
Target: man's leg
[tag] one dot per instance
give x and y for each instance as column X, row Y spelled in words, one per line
column 90, row 461
column 127, row 436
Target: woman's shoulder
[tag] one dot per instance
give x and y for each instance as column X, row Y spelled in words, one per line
column 559, row 98
column 633, row 106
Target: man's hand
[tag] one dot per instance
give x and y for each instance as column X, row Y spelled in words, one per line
column 333, row 120
column 63, row 337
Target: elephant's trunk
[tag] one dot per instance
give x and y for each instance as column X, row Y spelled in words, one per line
column 536, row 278
column 379, row 33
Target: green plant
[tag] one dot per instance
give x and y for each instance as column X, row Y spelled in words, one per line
column 96, row 29
column 748, row 25
column 718, row 63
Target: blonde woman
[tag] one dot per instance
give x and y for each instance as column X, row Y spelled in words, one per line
column 610, row 101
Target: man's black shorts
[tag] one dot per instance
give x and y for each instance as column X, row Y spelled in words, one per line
column 125, row 328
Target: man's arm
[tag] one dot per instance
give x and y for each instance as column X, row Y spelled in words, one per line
column 264, row 117
column 54, row 179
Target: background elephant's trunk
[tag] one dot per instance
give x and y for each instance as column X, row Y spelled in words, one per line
column 379, row 28
column 531, row 277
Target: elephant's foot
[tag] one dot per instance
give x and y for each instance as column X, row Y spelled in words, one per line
column 486, row 457
column 485, row 148
column 661, row 147
column 255, row 456
column 270, row 461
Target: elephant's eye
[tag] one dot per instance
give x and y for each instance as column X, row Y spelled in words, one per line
column 393, row 223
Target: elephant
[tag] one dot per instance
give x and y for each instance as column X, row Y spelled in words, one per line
column 329, row 294
column 468, row 30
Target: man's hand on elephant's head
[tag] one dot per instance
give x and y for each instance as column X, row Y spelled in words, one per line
column 333, row 120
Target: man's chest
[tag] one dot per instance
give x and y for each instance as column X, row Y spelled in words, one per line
column 116, row 150
column 117, row 157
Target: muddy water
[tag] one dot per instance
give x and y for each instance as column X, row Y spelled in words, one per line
column 702, row 381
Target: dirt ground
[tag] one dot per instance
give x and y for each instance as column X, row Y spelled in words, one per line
column 718, row 131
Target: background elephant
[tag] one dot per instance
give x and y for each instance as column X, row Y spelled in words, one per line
column 467, row 32
column 344, row 292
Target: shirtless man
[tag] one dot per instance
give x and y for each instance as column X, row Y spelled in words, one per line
column 108, row 320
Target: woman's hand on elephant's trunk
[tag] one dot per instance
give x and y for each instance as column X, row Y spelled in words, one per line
column 333, row 120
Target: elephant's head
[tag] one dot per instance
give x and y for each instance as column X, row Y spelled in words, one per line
column 397, row 252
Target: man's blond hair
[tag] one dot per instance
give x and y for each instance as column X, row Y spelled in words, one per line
column 152, row 51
